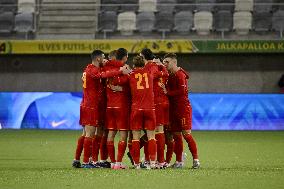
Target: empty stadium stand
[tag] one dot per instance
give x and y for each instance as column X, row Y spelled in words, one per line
column 68, row 19
column 89, row 19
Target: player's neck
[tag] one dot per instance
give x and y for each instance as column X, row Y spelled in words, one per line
column 175, row 69
column 95, row 63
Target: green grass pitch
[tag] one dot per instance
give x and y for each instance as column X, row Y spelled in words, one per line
column 42, row 159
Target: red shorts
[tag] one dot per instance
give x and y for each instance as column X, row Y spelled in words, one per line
column 117, row 119
column 90, row 116
column 162, row 114
column 180, row 120
column 143, row 119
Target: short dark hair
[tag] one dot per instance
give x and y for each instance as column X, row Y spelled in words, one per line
column 158, row 57
column 138, row 61
column 96, row 53
column 147, row 53
column 171, row 55
column 120, row 53
column 112, row 53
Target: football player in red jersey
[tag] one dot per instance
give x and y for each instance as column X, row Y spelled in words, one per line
column 143, row 109
column 92, row 109
column 117, row 112
column 181, row 112
column 103, row 163
column 161, row 104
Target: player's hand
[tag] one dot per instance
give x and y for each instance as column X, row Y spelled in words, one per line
column 162, row 85
column 125, row 69
column 115, row 88
column 158, row 62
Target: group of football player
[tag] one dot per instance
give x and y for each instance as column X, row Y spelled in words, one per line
column 147, row 105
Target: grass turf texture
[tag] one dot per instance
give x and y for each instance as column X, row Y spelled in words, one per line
column 42, row 159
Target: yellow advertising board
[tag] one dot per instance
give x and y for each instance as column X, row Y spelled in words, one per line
column 87, row 46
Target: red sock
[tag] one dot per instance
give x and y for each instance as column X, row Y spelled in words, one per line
column 178, row 147
column 152, row 149
column 79, row 148
column 121, row 150
column 111, row 151
column 136, row 151
column 170, row 151
column 160, row 137
column 191, row 145
column 103, row 148
column 96, row 148
column 87, row 149
column 143, row 141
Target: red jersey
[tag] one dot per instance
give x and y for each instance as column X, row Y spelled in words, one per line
column 141, row 85
column 159, row 94
column 178, row 90
column 93, row 87
column 118, row 95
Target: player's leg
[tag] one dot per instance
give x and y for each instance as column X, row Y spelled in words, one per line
column 150, row 126
column 160, row 140
column 144, row 143
column 121, row 149
column 152, row 148
column 162, row 118
column 103, row 151
column 111, row 126
column 136, row 124
column 103, row 147
column 192, row 147
column 136, row 148
column 90, row 132
column 186, row 124
column 122, row 123
column 110, row 146
column 170, row 146
column 129, row 153
column 96, row 144
column 178, row 149
column 80, row 143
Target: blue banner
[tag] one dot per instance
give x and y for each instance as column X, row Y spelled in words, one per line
column 47, row 110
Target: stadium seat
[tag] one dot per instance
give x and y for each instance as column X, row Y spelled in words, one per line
column 145, row 22
column 164, row 22
column 225, row 5
column 26, row 6
column 107, row 22
column 24, row 23
column 262, row 5
column 205, row 5
column 147, row 5
column 278, row 21
column 6, row 22
column 109, row 5
column 276, row 5
column 223, row 21
column 8, row 5
column 166, row 5
column 242, row 22
column 185, row 5
column 128, row 5
column 183, row 21
column 203, row 22
column 126, row 22
column 244, row 5
column 262, row 21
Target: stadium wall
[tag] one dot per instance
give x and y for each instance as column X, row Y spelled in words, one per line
column 210, row 72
